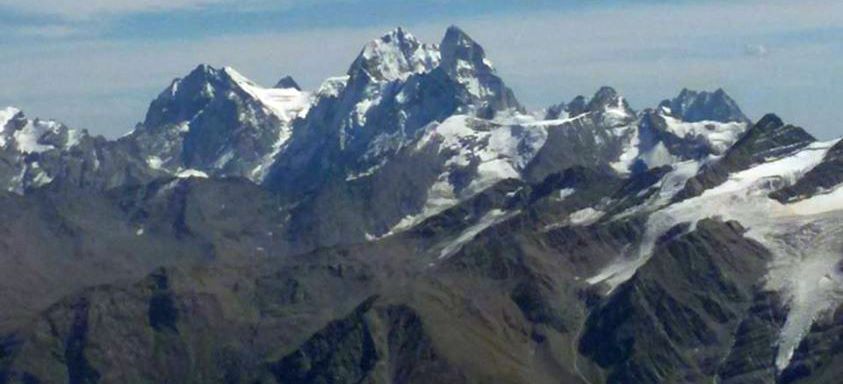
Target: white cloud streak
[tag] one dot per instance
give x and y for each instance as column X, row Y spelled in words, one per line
column 77, row 9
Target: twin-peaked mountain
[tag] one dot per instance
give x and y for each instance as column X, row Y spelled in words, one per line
column 411, row 222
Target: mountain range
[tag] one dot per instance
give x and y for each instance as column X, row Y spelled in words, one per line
column 412, row 222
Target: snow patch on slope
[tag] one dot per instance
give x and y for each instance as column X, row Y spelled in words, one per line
column 630, row 151
column 285, row 103
column 490, row 219
column 585, row 216
column 719, row 136
column 191, row 173
column 332, row 86
column 29, row 138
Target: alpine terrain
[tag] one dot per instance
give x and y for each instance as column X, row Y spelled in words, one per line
column 410, row 221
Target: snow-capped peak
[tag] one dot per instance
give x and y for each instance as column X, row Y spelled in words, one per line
column 395, row 56
column 34, row 136
column 613, row 108
column 285, row 103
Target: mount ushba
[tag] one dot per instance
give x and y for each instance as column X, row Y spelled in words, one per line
column 411, row 222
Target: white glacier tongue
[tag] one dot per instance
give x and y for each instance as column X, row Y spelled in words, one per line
column 805, row 238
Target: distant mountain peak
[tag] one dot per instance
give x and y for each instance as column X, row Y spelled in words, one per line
column 460, row 51
column 770, row 121
column 464, row 60
column 394, row 56
column 606, row 98
column 288, row 83
column 696, row 106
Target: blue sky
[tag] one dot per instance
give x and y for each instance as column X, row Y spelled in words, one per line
column 97, row 64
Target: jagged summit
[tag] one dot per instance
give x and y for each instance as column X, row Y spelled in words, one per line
column 769, row 122
column 695, row 106
column 606, row 102
column 185, row 97
column 606, row 98
column 465, row 61
column 394, row 56
column 460, row 52
column 288, row 83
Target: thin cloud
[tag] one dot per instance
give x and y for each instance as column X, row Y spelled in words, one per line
column 76, row 9
column 756, row 50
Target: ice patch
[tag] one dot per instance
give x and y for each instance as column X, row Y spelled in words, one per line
column 658, row 156
column 585, row 216
column 630, row 150
column 490, row 219
column 362, row 108
column 154, row 162
column 28, row 138
column 190, row 173
column 369, row 172
column 719, row 136
column 565, row 193
column 440, row 197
